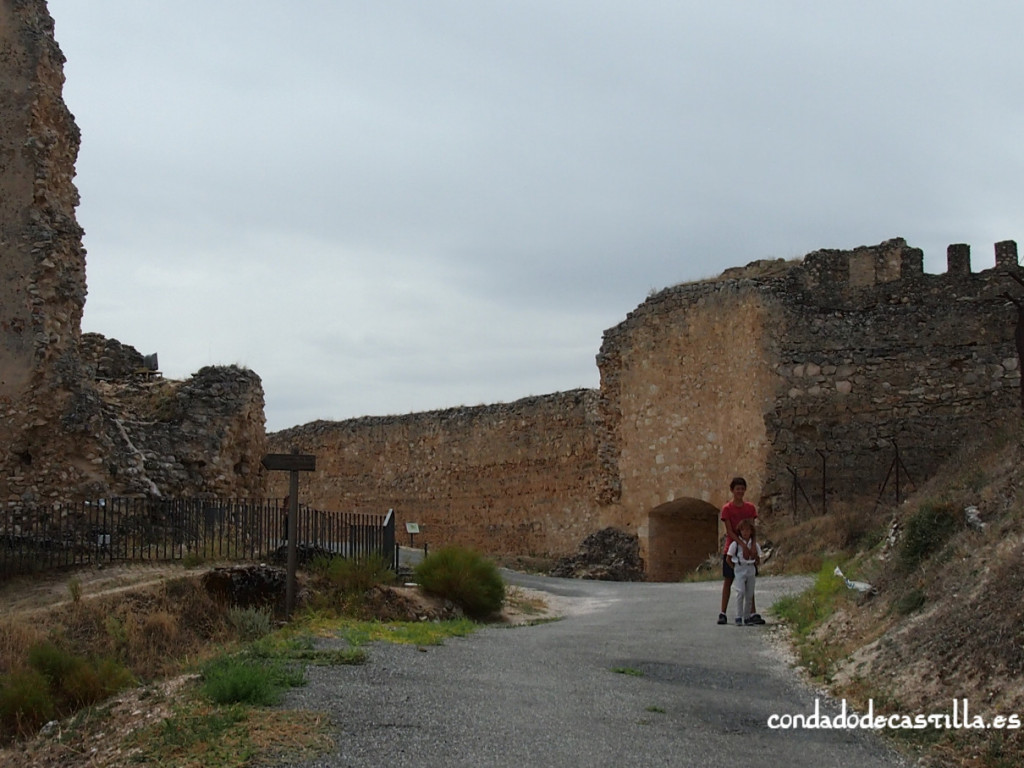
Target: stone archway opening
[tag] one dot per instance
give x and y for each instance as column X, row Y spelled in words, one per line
column 681, row 536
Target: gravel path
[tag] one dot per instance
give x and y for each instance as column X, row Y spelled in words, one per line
column 689, row 692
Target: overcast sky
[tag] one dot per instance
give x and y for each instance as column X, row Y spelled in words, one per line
column 391, row 206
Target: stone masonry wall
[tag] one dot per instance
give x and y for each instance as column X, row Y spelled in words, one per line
column 79, row 418
column 761, row 372
column 767, row 371
column 42, row 262
column 516, row 478
column 684, row 389
column 911, row 360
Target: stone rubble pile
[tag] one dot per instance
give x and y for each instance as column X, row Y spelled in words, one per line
column 248, row 586
column 606, row 555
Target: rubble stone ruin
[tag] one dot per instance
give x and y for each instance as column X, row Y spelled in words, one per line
column 82, row 416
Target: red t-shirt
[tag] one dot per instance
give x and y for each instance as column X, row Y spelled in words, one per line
column 734, row 514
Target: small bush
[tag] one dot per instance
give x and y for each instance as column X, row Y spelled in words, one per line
column 75, row 682
column 75, row 589
column 55, row 684
column 237, row 680
column 354, row 576
column 461, row 575
column 25, row 704
column 927, row 530
column 53, row 663
column 158, row 630
column 251, row 623
column 115, row 629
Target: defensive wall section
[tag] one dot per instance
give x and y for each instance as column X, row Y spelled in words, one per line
column 517, row 478
column 802, row 375
column 807, row 375
column 876, row 356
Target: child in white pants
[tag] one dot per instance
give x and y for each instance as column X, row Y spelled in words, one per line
column 745, row 554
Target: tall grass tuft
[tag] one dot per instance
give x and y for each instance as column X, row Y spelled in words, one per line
column 25, row 704
column 75, row 589
column 251, row 623
column 239, row 680
column 466, row 578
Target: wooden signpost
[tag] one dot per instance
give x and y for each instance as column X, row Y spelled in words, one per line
column 292, row 463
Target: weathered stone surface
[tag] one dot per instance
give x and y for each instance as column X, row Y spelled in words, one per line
column 605, row 555
column 79, row 417
column 515, row 477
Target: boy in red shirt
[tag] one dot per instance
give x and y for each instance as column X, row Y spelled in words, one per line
column 732, row 513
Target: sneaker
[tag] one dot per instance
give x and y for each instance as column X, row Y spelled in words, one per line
column 756, row 619
column 739, row 622
column 751, row 623
column 722, row 619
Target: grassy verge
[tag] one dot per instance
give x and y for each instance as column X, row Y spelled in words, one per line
column 210, row 681
column 228, row 721
column 228, row 715
column 806, row 612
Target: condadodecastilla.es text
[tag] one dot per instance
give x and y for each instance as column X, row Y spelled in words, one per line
column 958, row 717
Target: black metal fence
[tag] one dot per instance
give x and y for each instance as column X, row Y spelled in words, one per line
column 37, row 538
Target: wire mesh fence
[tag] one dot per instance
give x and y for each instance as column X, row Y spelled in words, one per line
column 37, row 538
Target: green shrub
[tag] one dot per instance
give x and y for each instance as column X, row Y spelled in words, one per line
column 25, row 704
column 251, row 623
column 73, row 681
column 927, row 530
column 804, row 611
column 354, row 576
column 56, row 683
column 240, row 680
column 53, row 663
column 461, row 575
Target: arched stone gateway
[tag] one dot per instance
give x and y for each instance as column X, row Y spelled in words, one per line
column 681, row 535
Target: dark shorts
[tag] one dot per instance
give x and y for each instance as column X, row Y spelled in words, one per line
column 727, row 571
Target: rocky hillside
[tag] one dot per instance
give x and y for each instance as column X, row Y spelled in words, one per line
column 943, row 620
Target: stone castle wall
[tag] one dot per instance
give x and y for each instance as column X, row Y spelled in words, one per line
column 519, row 477
column 684, row 389
column 812, row 369
column 911, row 361
column 79, row 418
column 815, row 369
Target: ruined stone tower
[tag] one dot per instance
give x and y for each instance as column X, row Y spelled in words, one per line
column 42, row 262
column 74, row 422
